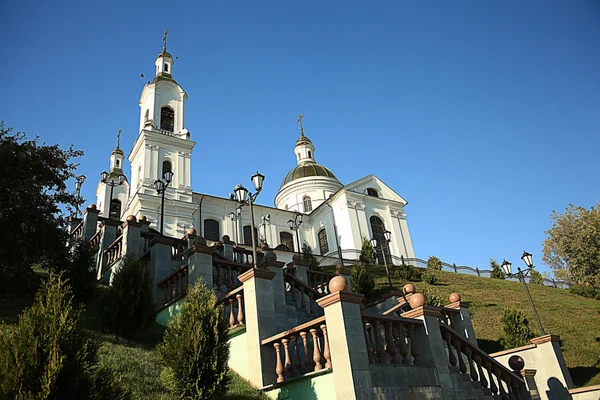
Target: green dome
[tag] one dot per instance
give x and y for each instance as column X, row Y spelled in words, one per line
column 307, row 169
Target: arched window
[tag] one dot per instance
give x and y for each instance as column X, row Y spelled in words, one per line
column 166, row 167
column 211, row 229
column 167, row 119
column 115, row 210
column 166, row 67
column 248, row 235
column 307, row 203
column 372, row 192
column 287, row 240
column 323, row 245
column 378, row 229
column 309, row 155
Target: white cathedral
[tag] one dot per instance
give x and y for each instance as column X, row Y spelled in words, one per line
column 334, row 216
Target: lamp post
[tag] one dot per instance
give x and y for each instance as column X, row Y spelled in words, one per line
column 234, row 218
column 265, row 221
column 112, row 183
column 294, row 225
column 78, row 182
column 244, row 197
column 528, row 260
column 161, row 186
column 375, row 243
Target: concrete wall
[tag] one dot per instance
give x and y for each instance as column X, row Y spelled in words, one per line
column 164, row 316
column 319, row 387
column 238, row 354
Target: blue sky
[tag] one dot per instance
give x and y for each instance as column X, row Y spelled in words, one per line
column 484, row 115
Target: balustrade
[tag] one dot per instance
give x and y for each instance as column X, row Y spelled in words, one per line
column 95, row 240
column 390, row 340
column 480, row 367
column 301, row 350
column 77, row 232
column 178, row 248
column 319, row 281
column 174, row 285
column 227, row 272
column 303, row 295
column 242, row 256
column 233, row 307
column 113, row 251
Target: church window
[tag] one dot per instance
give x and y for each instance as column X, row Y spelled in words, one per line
column 287, row 240
column 118, row 166
column 167, row 119
column 115, row 210
column 309, row 155
column 211, row 229
column 307, row 202
column 248, row 235
column 298, row 156
column 378, row 230
column 166, row 167
column 166, row 67
column 372, row 192
column 323, row 245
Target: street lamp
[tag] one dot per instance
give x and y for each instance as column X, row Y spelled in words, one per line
column 234, row 218
column 161, row 186
column 265, row 221
column 294, row 225
column 244, row 197
column 112, row 183
column 78, row 182
column 527, row 259
column 374, row 242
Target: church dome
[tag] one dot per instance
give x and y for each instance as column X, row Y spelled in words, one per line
column 307, row 169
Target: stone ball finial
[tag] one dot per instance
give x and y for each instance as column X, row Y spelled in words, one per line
column 131, row 218
column 454, row 297
column 143, row 218
column 296, row 257
column 516, row 363
column 338, row 284
column 191, row 232
column 225, row 239
column 408, row 288
column 417, row 300
column 270, row 256
column 92, row 206
column 199, row 241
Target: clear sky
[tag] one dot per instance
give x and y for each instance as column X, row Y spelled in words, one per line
column 484, row 115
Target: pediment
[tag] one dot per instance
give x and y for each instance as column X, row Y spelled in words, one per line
column 383, row 191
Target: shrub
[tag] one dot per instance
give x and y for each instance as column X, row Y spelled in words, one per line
column 406, row 273
column 129, row 301
column 361, row 280
column 47, row 355
column 497, row 272
column 433, row 299
column 194, row 351
column 536, row 278
column 434, row 263
column 516, row 329
column 430, row 278
column 308, row 255
column 367, row 253
column 585, row 291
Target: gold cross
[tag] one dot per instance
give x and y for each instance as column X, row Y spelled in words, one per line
column 165, row 40
column 299, row 121
column 118, row 139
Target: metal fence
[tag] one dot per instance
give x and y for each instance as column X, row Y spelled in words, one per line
column 351, row 256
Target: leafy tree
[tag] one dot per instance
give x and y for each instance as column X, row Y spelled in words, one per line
column 194, row 351
column 434, row 263
column 361, row 280
column 535, row 278
column 367, row 253
column 497, row 272
column 308, row 255
column 516, row 329
column 129, row 300
column 79, row 270
column 572, row 248
column 32, row 216
column 433, row 298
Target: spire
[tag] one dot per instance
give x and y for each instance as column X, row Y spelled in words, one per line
column 119, row 139
column 299, row 121
column 165, row 41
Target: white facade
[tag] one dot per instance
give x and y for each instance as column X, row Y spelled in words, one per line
column 333, row 214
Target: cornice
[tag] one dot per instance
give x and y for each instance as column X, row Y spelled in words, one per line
column 256, row 274
column 347, row 297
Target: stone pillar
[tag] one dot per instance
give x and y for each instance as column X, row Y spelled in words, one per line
column 428, row 339
column 160, row 264
column 347, row 346
column 529, row 377
column 300, row 267
column 270, row 263
column 227, row 248
column 260, row 324
column 461, row 321
column 200, row 265
column 109, row 234
column 90, row 222
column 550, row 358
column 131, row 238
column 73, row 222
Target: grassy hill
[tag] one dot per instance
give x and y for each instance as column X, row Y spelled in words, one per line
column 576, row 319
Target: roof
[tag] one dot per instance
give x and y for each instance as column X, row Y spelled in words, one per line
column 306, row 169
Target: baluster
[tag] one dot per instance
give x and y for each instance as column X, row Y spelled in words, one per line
column 472, row 371
column 231, row 314
column 180, row 282
column 414, row 350
column 240, row 315
column 219, row 277
column 493, row 387
column 501, row 390
column 279, row 367
column 184, row 277
column 370, row 352
column 297, row 361
column 451, row 357
column 164, row 288
column 326, row 353
column 307, row 359
column 510, row 388
column 391, row 346
column 484, row 382
column 515, row 389
column 461, row 362
column 289, row 371
column 311, row 302
column 403, row 345
column 316, row 351
column 382, row 356
column 229, row 281
column 302, row 301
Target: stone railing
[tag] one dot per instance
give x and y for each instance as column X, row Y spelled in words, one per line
column 242, row 255
column 480, row 367
column 178, row 248
column 147, row 238
column 95, row 240
column 390, row 340
column 300, row 291
column 301, row 350
column 319, row 281
column 174, row 285
column 77, row 232
column 227, row 272
column 114, row 251
column 231, row 301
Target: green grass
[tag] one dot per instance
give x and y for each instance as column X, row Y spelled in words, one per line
column 576, row 319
